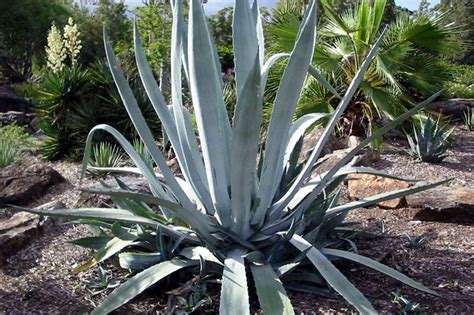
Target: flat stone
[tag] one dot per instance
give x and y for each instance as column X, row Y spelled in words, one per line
column 20, row 186
column 444, row 198
column 361, row 186
column 21, row 228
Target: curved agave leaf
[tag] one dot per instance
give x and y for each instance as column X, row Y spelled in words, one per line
column 112, row 247
column 186, row 150
column 268, row 66
column 298, row 129
column 285, row 104
column 126, row 170
column 93, row 242
column 198, row 253
column 379, row 267
column 322, row 80
column 140, row 124
column 270, row 291
column 309, row 187
column 139, row 283
column 234, row 291
column 372, row 200
column 191, row 159
column 259, row 27
column 191, row 215
column 134, row 196
column 245, row 42
column 245, row 140
column 334, row 277
column 139, row 260
column 208, row 101
column 279, row 205
column 107, row 214
column 329, row 175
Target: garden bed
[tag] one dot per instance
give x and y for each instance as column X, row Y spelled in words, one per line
column 36, row 279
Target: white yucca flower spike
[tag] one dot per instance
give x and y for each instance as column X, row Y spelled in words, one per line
column 55, row 50
column 72, row 43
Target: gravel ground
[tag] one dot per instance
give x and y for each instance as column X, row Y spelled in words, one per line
column 36, row 279
column 458, row 165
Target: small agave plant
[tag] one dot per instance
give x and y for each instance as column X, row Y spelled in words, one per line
column 469, row 119
column 104, row 154
column 430, row 140
column 242, row 210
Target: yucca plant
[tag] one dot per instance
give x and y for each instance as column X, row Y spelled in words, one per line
column 242, row 210
column 469, row 119
column 430, row 139
column 104, row 155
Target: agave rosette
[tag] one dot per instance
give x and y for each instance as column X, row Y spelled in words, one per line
column 247, row 210
column 430, row 139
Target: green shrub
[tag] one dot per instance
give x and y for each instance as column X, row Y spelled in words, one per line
column 462, row 84
column 232, row 217
column 104, row 155
column 430, row 139
column 13, row 143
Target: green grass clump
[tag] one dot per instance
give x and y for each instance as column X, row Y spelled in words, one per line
column 13, row 143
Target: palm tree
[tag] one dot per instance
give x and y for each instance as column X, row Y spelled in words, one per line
column 407, row 67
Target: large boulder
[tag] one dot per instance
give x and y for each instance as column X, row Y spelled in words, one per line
column 361, row 186
column 20, row 186
column 454, row 108
column 9, row 101
column 21, row 228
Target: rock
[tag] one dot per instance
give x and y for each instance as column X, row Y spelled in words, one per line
column 21, row 228
column 353, row 141
column 19, row 186
column 21, row 119
column 174, row 166
column 361, row 186
column 444, row 198
column 9, row 101
column 455, row 108
column 86, row 199
column 16, row 110
column 330, row 160
column 311, row 140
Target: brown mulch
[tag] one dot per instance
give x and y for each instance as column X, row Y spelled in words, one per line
column 36, row 279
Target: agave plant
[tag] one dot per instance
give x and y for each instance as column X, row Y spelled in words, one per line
column 242, row 210
column 430, row 140
column 104, row 155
